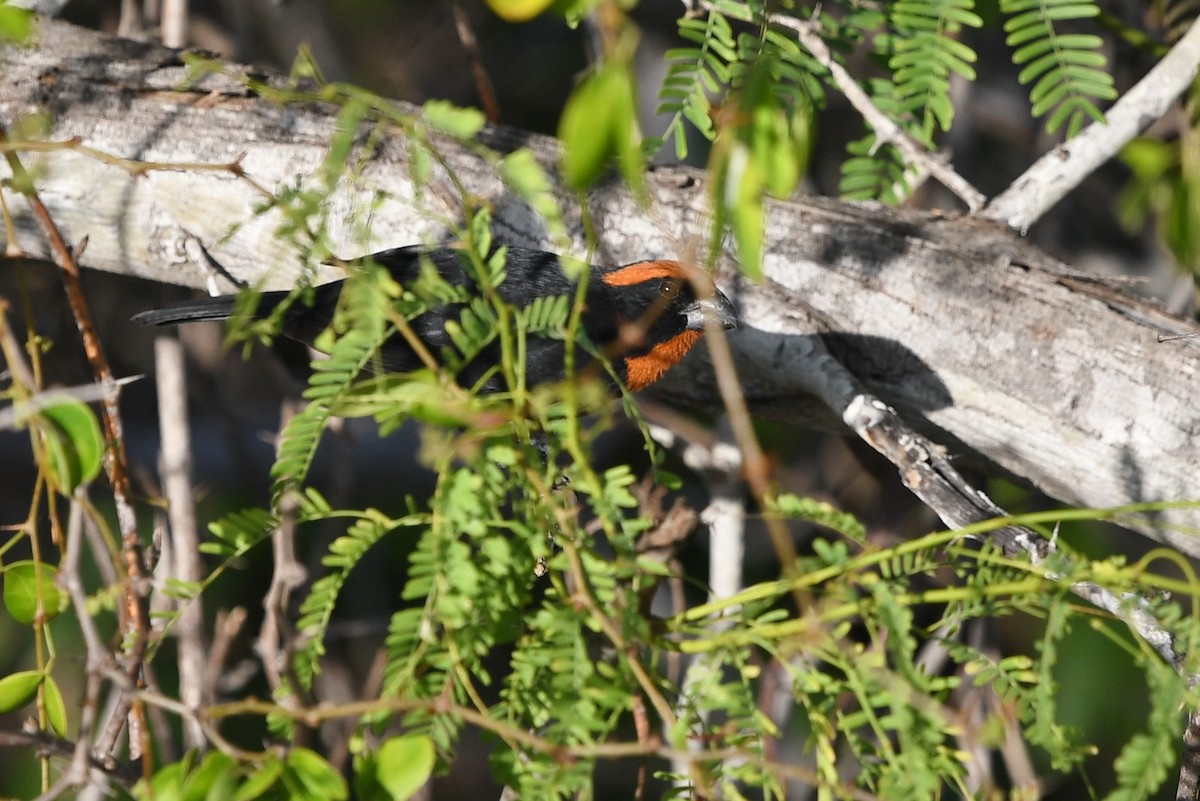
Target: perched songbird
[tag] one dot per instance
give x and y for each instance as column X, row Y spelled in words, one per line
column 643, row 316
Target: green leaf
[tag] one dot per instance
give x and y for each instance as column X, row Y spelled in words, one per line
column 518, row 10
column 404, row 765
column 317, row 609
column 74, row 445
column 17, row 25
column 1066, row 70
column 741, row 187
column 19, row 689
column 344, row 139
column 212, row 779
column 24, row 583
column 261, row 781
column 320, row 781
column 167, row 783
column 598, row 123
column 420, row 164
column 461, row 123
column 822, row 513
column 56, row 710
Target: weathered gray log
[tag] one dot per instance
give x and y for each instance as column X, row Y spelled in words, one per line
column 983, row 343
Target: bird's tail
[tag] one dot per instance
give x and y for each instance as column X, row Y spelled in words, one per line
column 219, row 308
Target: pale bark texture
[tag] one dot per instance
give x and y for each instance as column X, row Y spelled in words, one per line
column 987, row 346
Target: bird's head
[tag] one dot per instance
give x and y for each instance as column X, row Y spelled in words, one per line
column 660, row 316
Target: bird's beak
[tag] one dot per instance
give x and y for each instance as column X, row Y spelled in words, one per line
column 718, row 306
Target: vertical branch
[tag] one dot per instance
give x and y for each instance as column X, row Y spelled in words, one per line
column 176, row 468
column 725, row 516
column 483, row 84
column 98, row 656
column 134, row 621
column 175, row 23
column 275, row 638
column 131, row 24
column 720, row 468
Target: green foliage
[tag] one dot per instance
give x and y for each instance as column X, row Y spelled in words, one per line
column 1147, row 759
column 766, row 151
column 693, row 74
column 919, row 48
column 1066, row 70
column 599, row 124
column 823, row 514
column 300, row 775
column 1163, row 183
column 926, row 51
column 74, row 447
column 762, row 131
column 363, row 314
column 518, row 10
column 17, row 25
column 859, row 671
column 527, row 179
column 30, row 591
column 18, row 689
column 403, row 765
column 317, row 610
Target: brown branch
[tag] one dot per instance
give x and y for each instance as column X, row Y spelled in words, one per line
column 276, row 637
column 483, row 83
column 47, row 745
column 135, row 623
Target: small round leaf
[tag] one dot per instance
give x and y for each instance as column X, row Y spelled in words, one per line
column 318, row 778
column 74, row 444
column 404, row 765
column 24, row 583
column 261, row 781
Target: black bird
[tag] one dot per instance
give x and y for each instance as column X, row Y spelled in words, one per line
column 643, row 316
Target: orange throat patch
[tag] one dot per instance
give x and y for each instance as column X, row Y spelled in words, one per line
column 642, row 371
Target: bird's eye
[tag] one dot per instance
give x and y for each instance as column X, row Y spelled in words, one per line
column 669, row 289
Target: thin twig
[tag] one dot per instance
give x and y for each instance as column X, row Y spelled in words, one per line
column 133, row 167
column 160, row 701
column 483, row 83
column 886, row 131
column 47, row 744
column 176, row 466
column 98, row 658
column 719, row 466
column 229, row 625
column 755, row 466
column 275, row 638
column 15, row 415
